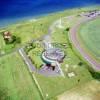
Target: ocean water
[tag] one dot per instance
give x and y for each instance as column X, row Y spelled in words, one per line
column 14, row 10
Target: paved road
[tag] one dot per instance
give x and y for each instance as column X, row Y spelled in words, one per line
column 73, row 38
column 27, row 60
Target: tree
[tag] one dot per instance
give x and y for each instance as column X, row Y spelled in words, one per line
column 80, row 63
column 33, row 45
column 67, row 29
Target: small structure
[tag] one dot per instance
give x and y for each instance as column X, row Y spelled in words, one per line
column 7, row 35
column 52, row 55
column 53, row 65
column 93, row 13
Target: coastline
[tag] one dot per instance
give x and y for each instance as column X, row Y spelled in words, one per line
column 4, row 23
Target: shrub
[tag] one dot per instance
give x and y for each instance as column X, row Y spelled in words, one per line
column 67, row 29
column 13, row 39
column 80, row 63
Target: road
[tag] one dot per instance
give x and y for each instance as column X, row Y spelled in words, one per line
column 74, row 40
column 28, row 62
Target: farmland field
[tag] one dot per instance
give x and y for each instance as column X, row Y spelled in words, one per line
column 89, row 34
column 15, row 81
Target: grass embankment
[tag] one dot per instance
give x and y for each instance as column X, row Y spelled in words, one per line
column 15, row 80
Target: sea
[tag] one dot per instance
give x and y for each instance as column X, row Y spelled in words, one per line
column 12, row 11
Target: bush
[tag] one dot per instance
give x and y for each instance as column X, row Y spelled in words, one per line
column 95, row 75
column 29, row 47
column 67, row 29
column 9, row 41
column 80, row 63
column 14, row 39
column 33, row 45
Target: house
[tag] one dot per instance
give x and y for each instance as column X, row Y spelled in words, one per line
column 7, row 35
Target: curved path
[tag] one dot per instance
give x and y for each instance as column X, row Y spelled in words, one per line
column 74, row 39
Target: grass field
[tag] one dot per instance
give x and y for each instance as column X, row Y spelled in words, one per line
column 15, row 81
column 51, row 87
column 89, row 34
column 87, row 91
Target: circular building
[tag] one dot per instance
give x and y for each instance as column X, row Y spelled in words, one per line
column 52, row 55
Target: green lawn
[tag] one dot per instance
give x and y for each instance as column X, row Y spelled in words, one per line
column 15, row 80
column 36, row 55
column 53, row 86
column 90, row 35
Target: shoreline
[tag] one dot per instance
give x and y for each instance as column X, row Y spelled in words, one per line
column 10, row 21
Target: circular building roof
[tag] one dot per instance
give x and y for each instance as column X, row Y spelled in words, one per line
column 53, row 54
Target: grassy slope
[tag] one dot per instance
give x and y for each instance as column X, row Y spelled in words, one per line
column 89, row 34
column 15, row 80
